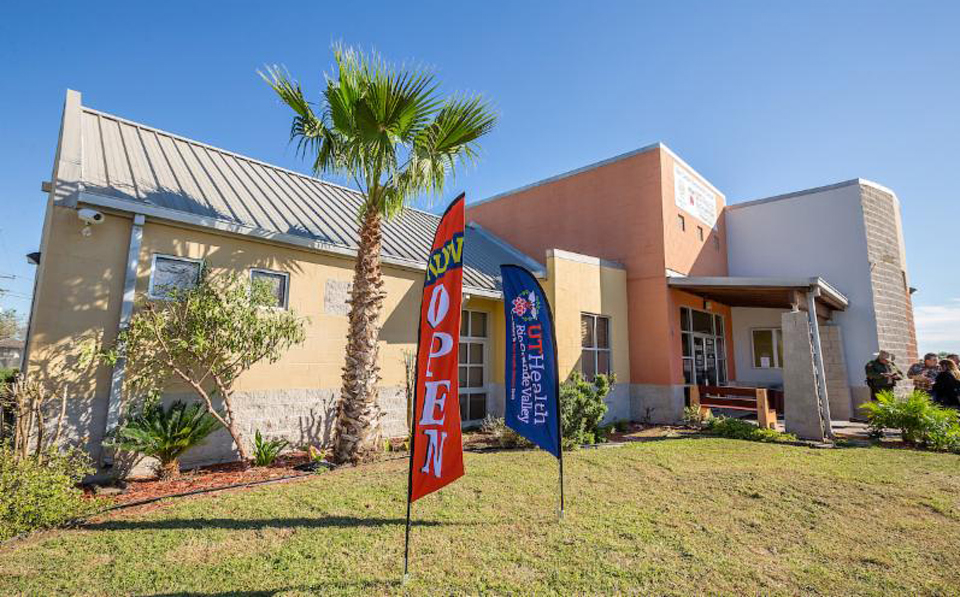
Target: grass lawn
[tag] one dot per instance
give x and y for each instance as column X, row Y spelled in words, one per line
column 677, row 516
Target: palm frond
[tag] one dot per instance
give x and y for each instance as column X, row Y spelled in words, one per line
column 387, row 127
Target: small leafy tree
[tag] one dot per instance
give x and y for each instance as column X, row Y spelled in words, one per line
column 205, row 337
column 166, row 433
column 582, row 408
column 10, row 325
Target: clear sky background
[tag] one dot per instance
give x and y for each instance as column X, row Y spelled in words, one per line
column 760, row 97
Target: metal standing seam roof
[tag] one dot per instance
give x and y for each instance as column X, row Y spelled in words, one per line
column 144, row 166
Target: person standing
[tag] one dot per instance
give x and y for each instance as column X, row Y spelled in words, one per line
column 924, row 373
column 882, row 374
column 946, row 389
column 955, row 358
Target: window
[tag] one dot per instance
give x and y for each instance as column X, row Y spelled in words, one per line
column 703, row 347
column 277, row 282
column 168, row 274
column 700, row 232
column 767, row 348
column 682, row 223
column 473, row 366
column 595, row 345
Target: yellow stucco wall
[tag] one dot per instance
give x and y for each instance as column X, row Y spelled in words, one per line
column 78, row 295
column 81, row 291
column 579, row 284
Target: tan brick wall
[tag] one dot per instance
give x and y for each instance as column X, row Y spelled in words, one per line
column 891, row 299
column 838, row 388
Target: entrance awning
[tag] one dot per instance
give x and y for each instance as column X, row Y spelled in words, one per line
column 774, row 293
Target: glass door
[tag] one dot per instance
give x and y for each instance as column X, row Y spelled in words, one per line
column 704, row 353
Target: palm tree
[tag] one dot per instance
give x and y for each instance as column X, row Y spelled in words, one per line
column 390, row 131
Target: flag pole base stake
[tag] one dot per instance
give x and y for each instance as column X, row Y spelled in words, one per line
column 406, row 579
column 560, row 515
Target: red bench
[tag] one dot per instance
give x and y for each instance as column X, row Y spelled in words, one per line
column 733, row 398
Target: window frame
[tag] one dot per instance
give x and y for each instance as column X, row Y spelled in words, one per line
column 151, row 294
column 682, row 221
column 687, row 336
column 777, row 357
column 286, row 284
column 484, row 386
column 700, row 235
column 596, row 350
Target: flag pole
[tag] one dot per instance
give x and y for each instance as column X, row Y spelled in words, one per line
column 413, row 437
column 561, row 481
column 406, row 542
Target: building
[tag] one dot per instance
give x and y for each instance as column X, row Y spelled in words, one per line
column 637, row 255
column 11, row 351
column 709, row 284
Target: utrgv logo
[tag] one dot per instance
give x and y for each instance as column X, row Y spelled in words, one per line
column 447, row 257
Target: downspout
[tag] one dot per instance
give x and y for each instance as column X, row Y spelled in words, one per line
column 126, row 312
column 825, row 420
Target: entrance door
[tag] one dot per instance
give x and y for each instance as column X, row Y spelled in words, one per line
column 704, row 350
column 705, row 359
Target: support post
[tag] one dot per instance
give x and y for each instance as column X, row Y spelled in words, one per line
column 824, row 400
column 126, row 312
column 766, row 417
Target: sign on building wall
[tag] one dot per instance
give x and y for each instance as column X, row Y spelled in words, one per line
column 694, row 197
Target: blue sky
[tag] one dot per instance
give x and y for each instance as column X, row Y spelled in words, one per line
column 760, row 97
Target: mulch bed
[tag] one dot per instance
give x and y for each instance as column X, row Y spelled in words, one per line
column 211, row 477
column 220, row 476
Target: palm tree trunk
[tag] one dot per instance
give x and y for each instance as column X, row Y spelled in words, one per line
column 357, row 430
column 169, row 470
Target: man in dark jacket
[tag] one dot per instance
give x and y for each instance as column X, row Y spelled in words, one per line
column 882, row 374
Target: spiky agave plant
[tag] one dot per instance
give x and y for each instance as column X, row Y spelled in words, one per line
column 388, row 130
column 166, row 433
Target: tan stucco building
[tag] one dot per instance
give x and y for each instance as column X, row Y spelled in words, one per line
column 634, row 253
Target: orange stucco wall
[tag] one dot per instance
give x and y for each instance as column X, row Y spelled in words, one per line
column 624, row 211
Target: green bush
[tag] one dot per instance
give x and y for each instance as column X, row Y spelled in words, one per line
column 731, row 428
column 696, row 417
column 503, row 436
column 920, row 421
column 39, row 494
column 8, row 375
column 582, row 408
column 165, row 433
column 266, row 452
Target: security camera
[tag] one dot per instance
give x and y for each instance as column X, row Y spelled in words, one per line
column 90, row 216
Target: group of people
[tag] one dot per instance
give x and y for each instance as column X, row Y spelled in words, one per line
column 938, row 377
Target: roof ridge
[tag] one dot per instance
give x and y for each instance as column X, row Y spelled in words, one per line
column 236, row 155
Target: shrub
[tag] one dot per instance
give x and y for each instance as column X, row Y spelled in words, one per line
column 731, row 428
column 165, row 433
column 502, row 435
column 920, row 421
column 266, row 452
column 42, row 493
column 696, row 417
column 582, row 408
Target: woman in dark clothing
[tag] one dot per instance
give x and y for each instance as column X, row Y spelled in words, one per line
column 946, row 389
